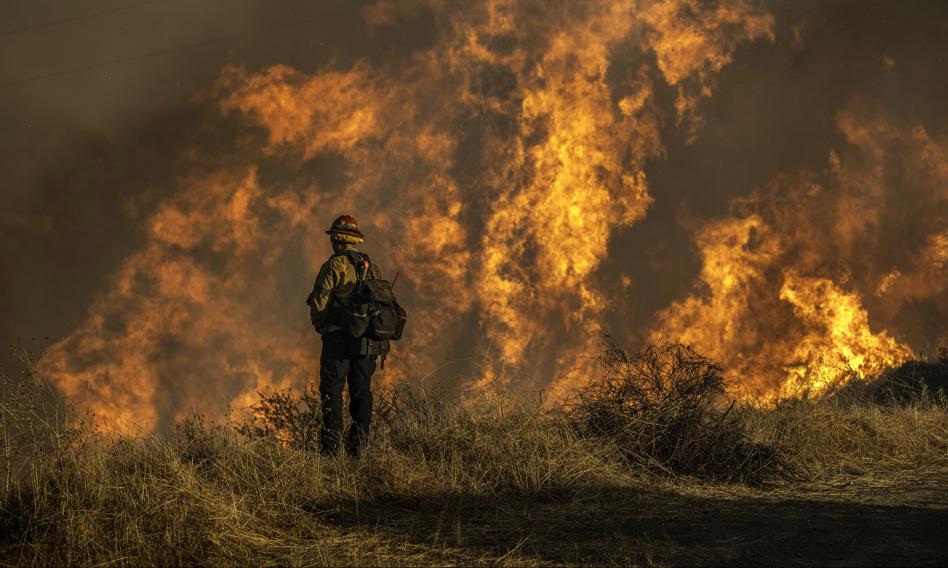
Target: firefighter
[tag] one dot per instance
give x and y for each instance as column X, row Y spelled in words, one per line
column 332, row 291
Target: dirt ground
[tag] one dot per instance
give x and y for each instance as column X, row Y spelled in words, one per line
column 863, row 521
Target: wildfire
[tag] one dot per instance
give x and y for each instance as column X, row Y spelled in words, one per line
column 490, row 170
column 784, row 280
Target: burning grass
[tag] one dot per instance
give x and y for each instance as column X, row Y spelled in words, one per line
column 443, row 482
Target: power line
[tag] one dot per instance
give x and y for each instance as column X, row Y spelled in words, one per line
column 148, row 55
column 102, row 12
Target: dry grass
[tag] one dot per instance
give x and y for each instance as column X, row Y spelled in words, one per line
column 833, row 437
column 443, row 483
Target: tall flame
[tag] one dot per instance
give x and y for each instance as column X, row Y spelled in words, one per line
column 490, row 170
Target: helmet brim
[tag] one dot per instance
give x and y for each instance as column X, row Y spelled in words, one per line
column 345, row 232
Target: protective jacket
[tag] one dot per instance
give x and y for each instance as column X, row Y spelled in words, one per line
column 333, row 288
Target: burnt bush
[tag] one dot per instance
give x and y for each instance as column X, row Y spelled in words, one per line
column 294, row 418
column 664, row 409
column 290, row 417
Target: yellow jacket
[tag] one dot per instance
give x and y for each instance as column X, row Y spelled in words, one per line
column 334, row 285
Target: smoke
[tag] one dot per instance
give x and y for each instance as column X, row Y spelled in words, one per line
column 89, row 147
column 538, row 173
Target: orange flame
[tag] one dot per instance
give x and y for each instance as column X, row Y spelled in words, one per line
column 784, row 285
column 491, row 171
column 839, row 343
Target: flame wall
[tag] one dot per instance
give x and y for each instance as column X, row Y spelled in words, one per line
column 503, row 171
column 787, row 280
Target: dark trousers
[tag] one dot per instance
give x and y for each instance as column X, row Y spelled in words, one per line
column 336, row 368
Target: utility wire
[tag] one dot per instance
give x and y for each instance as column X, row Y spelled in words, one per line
column 102, row 12
column 149, row 55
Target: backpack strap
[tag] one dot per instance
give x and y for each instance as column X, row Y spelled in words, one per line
column 360, row 262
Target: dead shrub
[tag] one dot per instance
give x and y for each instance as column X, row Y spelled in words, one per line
column 293, row 418
column 664, row 409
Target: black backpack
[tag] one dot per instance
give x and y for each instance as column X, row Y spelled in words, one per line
column 374, row 312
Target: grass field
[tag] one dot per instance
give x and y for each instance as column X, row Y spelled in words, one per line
column 649, row 465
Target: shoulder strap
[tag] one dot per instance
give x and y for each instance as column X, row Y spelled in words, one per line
column 360, row 261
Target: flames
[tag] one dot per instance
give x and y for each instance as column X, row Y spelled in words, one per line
column 838, row 342
column 693, row 41
column 491, row 171
column 786, row 281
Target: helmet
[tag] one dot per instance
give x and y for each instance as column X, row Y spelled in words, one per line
column 345, row 225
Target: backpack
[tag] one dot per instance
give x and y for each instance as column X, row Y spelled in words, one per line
column 374, row 313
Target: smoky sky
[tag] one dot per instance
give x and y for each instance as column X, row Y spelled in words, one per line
column 99, row 100
column 97, row 103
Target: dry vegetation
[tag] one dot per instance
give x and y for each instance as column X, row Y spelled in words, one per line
column 596, row 480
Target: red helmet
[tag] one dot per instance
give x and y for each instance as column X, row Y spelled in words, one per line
column 345, row 225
